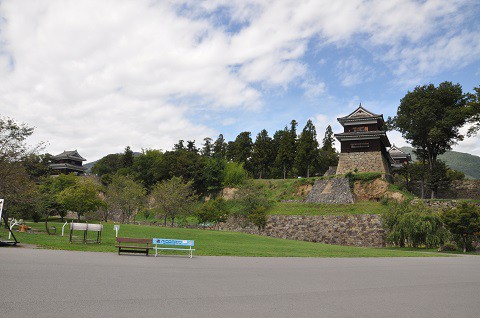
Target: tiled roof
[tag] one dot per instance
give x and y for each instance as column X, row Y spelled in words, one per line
column 73, row 154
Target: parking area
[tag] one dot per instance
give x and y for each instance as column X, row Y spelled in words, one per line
column 48, row 283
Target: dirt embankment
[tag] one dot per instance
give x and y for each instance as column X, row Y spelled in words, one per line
column 375, row 191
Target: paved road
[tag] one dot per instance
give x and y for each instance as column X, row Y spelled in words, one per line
column 43, row 283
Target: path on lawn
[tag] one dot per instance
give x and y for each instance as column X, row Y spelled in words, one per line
column 47, row 283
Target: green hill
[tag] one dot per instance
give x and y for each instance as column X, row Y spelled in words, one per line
column 467, row 163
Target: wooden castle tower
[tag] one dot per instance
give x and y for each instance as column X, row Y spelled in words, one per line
column 364, row 143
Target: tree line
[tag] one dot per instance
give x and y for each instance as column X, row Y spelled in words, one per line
column 219, row 163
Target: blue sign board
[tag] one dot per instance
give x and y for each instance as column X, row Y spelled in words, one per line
column 160, row 241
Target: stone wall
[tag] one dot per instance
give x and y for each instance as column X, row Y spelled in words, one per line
column 462, row 189
column 350, row 230
column 459, row 189
column 332, row 191
column 363, row 162
column 440, row 205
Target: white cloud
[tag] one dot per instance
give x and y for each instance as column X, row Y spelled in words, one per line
column 314, row 89
column 98, row 75
column 352, row 72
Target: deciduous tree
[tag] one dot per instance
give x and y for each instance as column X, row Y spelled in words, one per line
column 430, row 118
column 125, row 196
column 173, row 197
column 463, row 221
column 14, row 179
column 83, row 197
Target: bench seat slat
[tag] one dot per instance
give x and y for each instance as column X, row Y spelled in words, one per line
column 133, row 245
column 173, row 248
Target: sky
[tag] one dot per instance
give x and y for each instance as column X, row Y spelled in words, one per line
column 98, row 76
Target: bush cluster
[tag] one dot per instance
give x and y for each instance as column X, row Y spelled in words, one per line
column 416, row 225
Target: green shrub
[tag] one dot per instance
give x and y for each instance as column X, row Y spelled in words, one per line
column 212, row 211
column 362, row 177
column 146, row 213
column 414, row 225
column 385, row 201
column 448, row 247
column 252, row 206
column 235, row 175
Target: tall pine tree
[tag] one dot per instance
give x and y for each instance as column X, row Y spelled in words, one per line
column 307, row 149
column 285, row 157
column 262, row 154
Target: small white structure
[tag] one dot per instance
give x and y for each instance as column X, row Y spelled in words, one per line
column 85, row 228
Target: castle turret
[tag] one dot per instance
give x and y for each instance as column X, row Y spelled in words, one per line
column 364, row 143
column 67, row 162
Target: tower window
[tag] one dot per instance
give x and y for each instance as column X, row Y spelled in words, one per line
column 362, row 128
column 360, row 145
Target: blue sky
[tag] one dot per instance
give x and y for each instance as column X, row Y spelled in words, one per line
column 100, row 75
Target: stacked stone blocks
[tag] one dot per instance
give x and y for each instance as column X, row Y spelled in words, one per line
column 331, row 191
column 362, row 162
column 349, row 230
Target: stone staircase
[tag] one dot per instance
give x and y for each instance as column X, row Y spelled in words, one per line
column 333, row 191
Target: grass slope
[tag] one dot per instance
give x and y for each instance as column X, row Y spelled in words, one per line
column 211, row 243
column 279, row 190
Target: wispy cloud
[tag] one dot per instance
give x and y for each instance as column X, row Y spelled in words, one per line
column 98, row 75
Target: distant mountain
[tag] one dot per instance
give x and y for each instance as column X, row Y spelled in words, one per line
column 91, row 164
column 465, row 162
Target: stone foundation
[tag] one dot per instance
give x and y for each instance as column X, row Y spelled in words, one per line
column 332, row 191
column 363, row 162
column 350, row 230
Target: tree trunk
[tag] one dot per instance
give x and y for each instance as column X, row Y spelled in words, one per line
column 165, row 220
column 173, row 219
column 464, row 239
column 5, row 220
column 284, row 171
column 308, row 170
column 432, row 159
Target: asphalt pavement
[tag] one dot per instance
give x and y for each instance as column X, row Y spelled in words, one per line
column 47, row 283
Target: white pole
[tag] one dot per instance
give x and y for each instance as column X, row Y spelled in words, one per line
column 63, row 227
column 1, row 209
column 11, row 227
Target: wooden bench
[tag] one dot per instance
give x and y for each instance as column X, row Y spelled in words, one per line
column 133, row 245
column 159, row 243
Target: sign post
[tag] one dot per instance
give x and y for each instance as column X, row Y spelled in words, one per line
column 116, row 227
column 1, row 209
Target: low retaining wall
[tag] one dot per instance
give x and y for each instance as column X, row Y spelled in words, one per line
column 459, row 189
column 350, row 230
column 441, row 205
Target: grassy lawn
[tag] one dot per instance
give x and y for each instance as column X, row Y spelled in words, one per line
column 210, row 243
column 297, row 208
